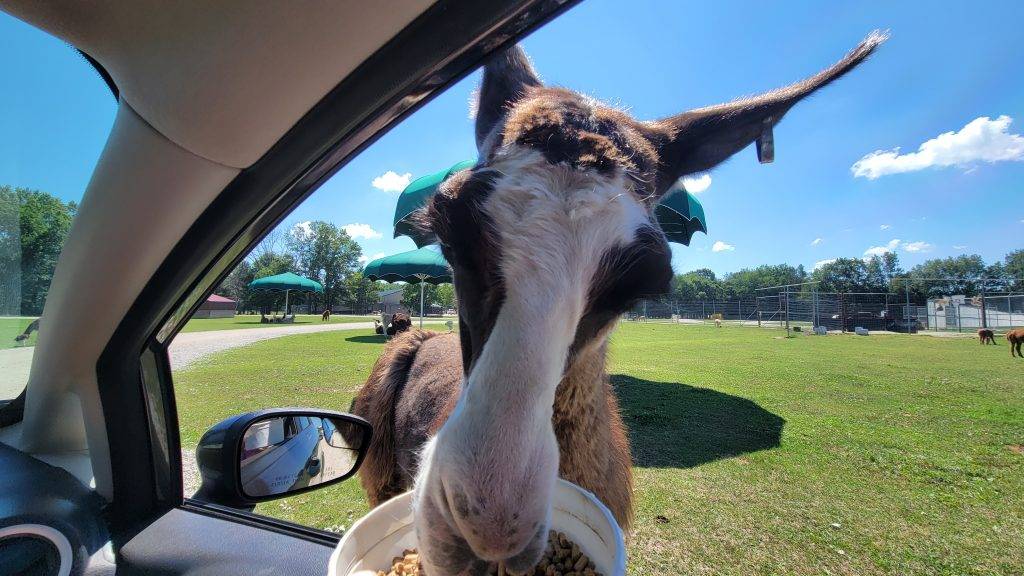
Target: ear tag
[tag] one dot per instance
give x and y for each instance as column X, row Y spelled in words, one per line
column 766, row 143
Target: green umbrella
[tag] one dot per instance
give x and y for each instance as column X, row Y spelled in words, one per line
column 679, row 213
column 287, row 282
column 416, row 195
column 424, row 265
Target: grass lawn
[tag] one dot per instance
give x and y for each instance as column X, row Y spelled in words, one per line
column 11, row 327
column 253, row 321
column 754, row 454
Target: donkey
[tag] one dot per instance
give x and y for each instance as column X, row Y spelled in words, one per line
column 551, row 237
column 1015, row 338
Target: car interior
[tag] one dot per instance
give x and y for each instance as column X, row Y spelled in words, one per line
column 228, row 115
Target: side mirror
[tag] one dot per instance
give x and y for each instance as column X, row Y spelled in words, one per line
column 274, row 453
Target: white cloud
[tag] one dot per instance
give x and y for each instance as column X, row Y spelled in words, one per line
column 885, row 226
column 357, row 231
column 981, row 140
column 391, row 181
column 698, row 184
column 896, row 243
column 720, row 246
column 365, row 259
column 917, row 247
column 959, row 247
column 816, row 241
column 302, row 229
column 879, row 250
column 821, row 263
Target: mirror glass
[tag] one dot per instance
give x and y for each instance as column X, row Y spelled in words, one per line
column 287, row 453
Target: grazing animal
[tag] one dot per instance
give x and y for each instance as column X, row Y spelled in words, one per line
column 378, row 328
column 326, row 316
column 32, row 327
column 1015, row 338
column 551, row 238
column 986, row 336
column 400, row 322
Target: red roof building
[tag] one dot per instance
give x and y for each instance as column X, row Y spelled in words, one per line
column 216, row 307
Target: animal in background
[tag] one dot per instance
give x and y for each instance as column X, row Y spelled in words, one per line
column 400, row 322
column 986, row 336
column 551, row 238
column 1015, row 338
column 378, row 328
column 326, row 315
column 32, row 327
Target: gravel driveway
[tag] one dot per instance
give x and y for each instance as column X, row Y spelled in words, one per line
column 188, row 347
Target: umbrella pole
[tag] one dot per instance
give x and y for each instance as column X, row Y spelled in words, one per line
column 421, row 303
column 286, row 303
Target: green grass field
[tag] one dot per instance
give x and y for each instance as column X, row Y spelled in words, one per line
column 11, row 327
column 754, row 454
column 253, row 321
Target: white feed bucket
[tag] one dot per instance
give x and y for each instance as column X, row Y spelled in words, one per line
column 387, row 530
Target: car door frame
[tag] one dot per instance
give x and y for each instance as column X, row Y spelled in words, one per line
column 441, row 46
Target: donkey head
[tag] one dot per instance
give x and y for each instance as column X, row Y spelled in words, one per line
column 551, row 237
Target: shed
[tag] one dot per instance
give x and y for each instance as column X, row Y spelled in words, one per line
column 390, row 301
column 216, row 307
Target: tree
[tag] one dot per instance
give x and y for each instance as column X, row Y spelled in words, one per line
column 1013, row 264
column 842, row 275
column 875, row 278
column 698, row 285
column 236, row 284
column 445, row 296
column 411, row 296
column 948, row 276
column 360, row 293
column 744, row 283
column 325, row 253
column 43, row 224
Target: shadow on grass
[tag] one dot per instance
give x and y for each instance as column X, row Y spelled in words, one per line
column 367, row 339
column 678, row 426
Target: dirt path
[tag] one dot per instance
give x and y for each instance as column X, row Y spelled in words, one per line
column 188, row 347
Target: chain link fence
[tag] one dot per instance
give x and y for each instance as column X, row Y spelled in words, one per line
column 844, row 312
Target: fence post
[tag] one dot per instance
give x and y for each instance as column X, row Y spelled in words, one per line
column 984, row 320
column 906, row 288
column 787, row 312
column 842, row 312
column 757, row 308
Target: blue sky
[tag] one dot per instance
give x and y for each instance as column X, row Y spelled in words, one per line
column 949, row 67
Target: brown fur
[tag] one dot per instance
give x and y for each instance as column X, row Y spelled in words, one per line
column 400, row 322
column 986, row 336
column 416, row 383
column 1015, row 338
column 326, row 315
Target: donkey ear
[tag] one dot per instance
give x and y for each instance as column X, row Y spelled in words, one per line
column 699, row 140
column 506, row 79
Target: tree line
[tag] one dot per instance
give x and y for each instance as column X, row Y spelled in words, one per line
column 34, row 226
column 932, row 278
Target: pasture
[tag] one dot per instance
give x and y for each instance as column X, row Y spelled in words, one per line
column 753, row 453
column 253, row 321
